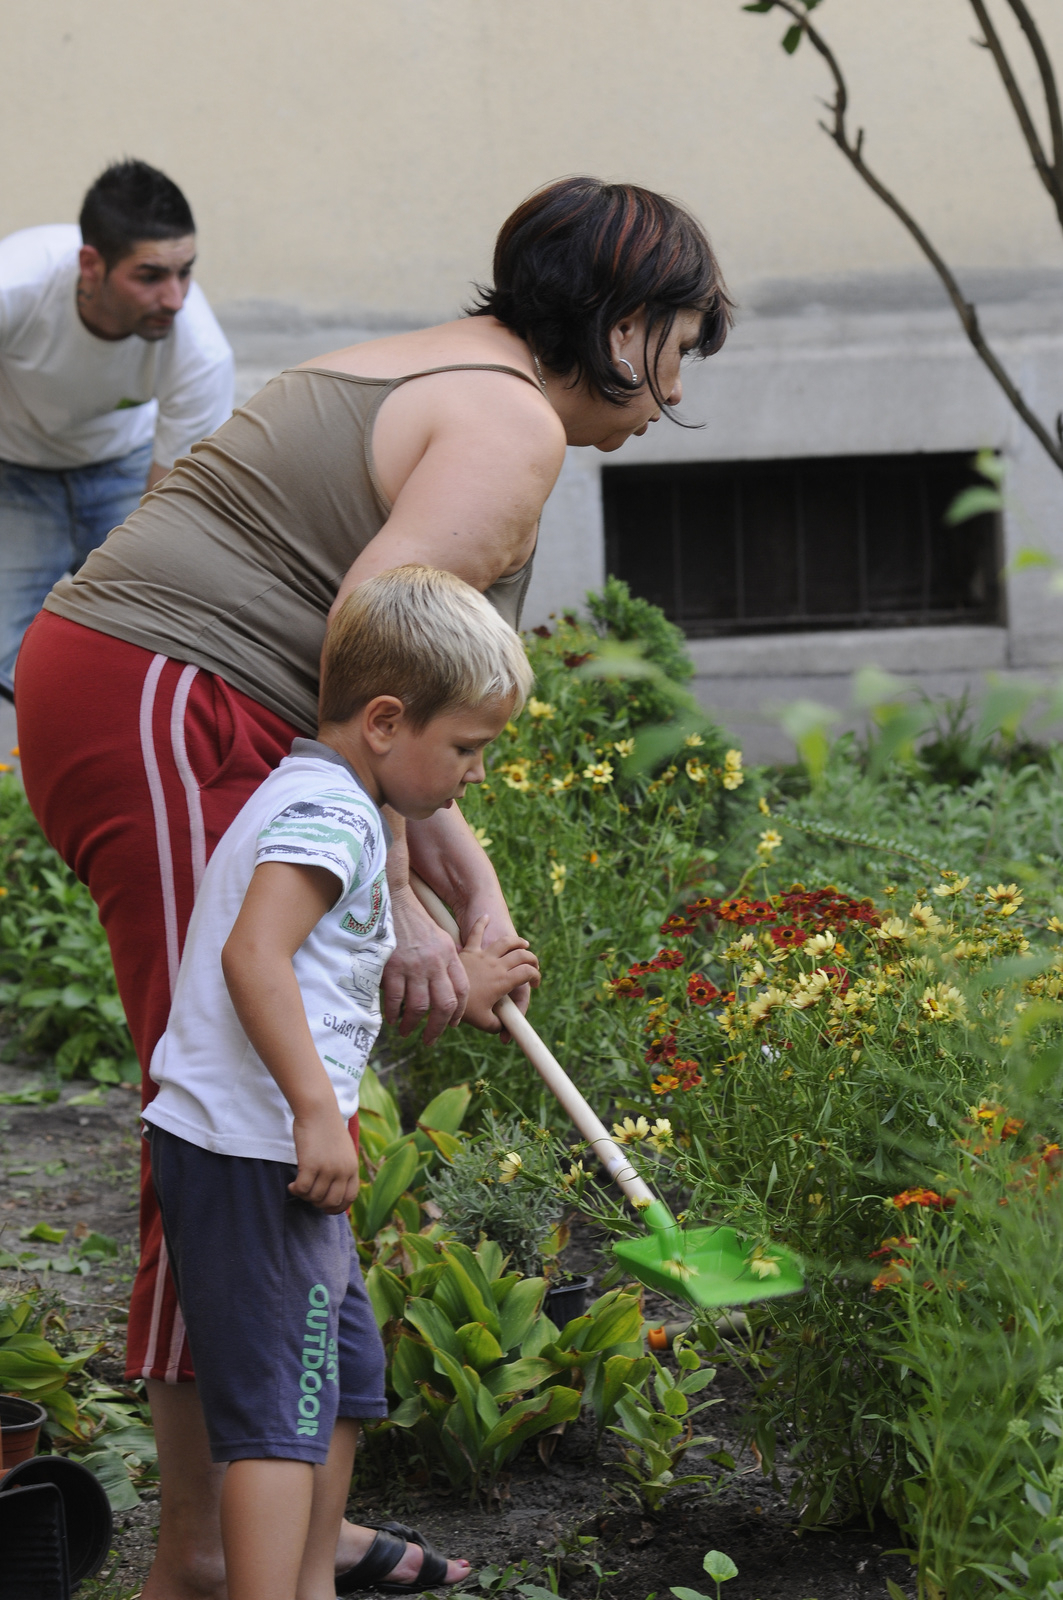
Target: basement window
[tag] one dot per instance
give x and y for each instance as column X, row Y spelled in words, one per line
column 767, row 546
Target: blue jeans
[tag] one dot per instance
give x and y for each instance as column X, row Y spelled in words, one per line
column 49, row 521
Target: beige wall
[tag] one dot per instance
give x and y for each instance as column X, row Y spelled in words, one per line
column 361, row 153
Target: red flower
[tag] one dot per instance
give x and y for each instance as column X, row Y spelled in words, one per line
column 678, row 926
column 577, row 661
column 924, row 1197
column 687, row 1073
column 662, row 1049
column 641, row 968
column 542, row 631
column 625, row 988
column 700, row 991
column 668, row 960
column 787, row 935
column 890, row 1246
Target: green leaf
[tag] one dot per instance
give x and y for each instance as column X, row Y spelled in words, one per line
column 386, row 1292
column 473, row 1286
column 532, row 1416
column 894, row 1590
column 45, row 1233
column 407, row 1414
column 446, row 1113
column 971, row 503
column 98, row 1247
column 615, row 1323
column 519, row 1310
column 679, row 1592
column 434, row 1327
column 391, row 1180
column 719, row 1567
column 792, row 38
column 757, row 5
column 517, row 1377
column 480, row 1348
column 807, row 721
column 110, row 1468
column 1005, row 706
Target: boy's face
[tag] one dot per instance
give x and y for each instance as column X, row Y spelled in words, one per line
column 426, row 768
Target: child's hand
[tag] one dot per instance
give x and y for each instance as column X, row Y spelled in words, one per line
column 328, row 1162
column 493, row 973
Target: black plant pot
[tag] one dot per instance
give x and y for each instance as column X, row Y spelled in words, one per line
column 568, row 1299
column 86, row 1509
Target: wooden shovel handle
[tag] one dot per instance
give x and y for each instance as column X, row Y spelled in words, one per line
column 559, row 1083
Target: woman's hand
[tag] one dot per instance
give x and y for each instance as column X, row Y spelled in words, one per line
column 493, row 973
column 424, row 977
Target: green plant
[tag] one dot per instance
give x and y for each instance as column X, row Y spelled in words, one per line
column 720, row 1569
column 656, row 1437
column 57, row 988
column 30, row 1363
column 502, row 1184
column 464, row 1342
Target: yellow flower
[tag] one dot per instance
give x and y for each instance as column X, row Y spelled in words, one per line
column 509, row 1167
column 661, row 1134
column 943, row 1003
column 696, row 772
column 820, row 944
column 770, row 841
column 624, row 747
column 811, row 987
column 766, row 1003
column 956, row 886
column 1055, row 926
column 4, row 767
column 600, row 774
column 573, row 1175
column 593, row 857
column 566, row 782
column 515, row 774
column 733, row 776
column 631, row 1130
column 693, row 741
column 763, row 807
column 926, row 918
column 480, row 834
column 891, row 928
column 558, row 871
column 540, row 710
column 1007, row 897
column 761, row 1265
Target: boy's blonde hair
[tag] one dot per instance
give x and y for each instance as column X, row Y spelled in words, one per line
column 426, row 637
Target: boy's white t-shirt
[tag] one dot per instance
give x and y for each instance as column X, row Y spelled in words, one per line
column 214, row 1090
column 69, row 399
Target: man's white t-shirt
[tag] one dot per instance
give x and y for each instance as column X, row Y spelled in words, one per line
column 215, row 1091
column 70, row 399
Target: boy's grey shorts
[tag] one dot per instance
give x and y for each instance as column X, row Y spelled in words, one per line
column 281, row 1330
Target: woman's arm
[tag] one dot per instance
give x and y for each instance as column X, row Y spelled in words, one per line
column 468, row 460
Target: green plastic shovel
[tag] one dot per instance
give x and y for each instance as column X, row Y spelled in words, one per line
column 707, row 1267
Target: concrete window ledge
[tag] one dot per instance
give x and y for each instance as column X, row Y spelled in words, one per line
column 827, row 654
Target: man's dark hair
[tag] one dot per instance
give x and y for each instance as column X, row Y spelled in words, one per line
column 130, row 202
column 579, row 256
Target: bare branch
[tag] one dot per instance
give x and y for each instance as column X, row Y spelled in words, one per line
column 853, row 150
column 1047, row 171
column 1048, row 81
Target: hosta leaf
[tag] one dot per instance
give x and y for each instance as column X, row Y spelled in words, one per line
column 529, row 1417
column 519, row 1310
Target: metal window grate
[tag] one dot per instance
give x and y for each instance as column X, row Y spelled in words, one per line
column 843, row 542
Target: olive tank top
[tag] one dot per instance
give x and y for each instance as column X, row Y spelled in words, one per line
column 233, row 561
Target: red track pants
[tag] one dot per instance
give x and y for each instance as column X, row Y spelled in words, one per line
column 135, row 765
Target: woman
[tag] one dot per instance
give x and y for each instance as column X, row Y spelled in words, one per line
column 161, row 684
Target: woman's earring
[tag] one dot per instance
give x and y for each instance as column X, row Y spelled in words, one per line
column 624, row 362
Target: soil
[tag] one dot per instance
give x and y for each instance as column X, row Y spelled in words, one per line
column 73, row 1164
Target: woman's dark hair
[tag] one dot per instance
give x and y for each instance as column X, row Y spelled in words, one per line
column 129, row 202
column 577, row 257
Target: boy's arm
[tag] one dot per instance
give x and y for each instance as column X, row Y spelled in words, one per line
column 283, row 904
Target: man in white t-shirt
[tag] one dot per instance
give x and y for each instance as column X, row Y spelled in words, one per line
column 111, row 366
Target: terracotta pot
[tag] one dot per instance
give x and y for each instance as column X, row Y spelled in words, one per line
column 20, row 1427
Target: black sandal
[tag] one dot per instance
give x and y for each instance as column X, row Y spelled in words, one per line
column 384, row 1554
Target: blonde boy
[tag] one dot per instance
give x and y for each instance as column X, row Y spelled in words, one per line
column 275, row 1011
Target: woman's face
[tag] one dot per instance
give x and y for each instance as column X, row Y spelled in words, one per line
column 614, row 425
